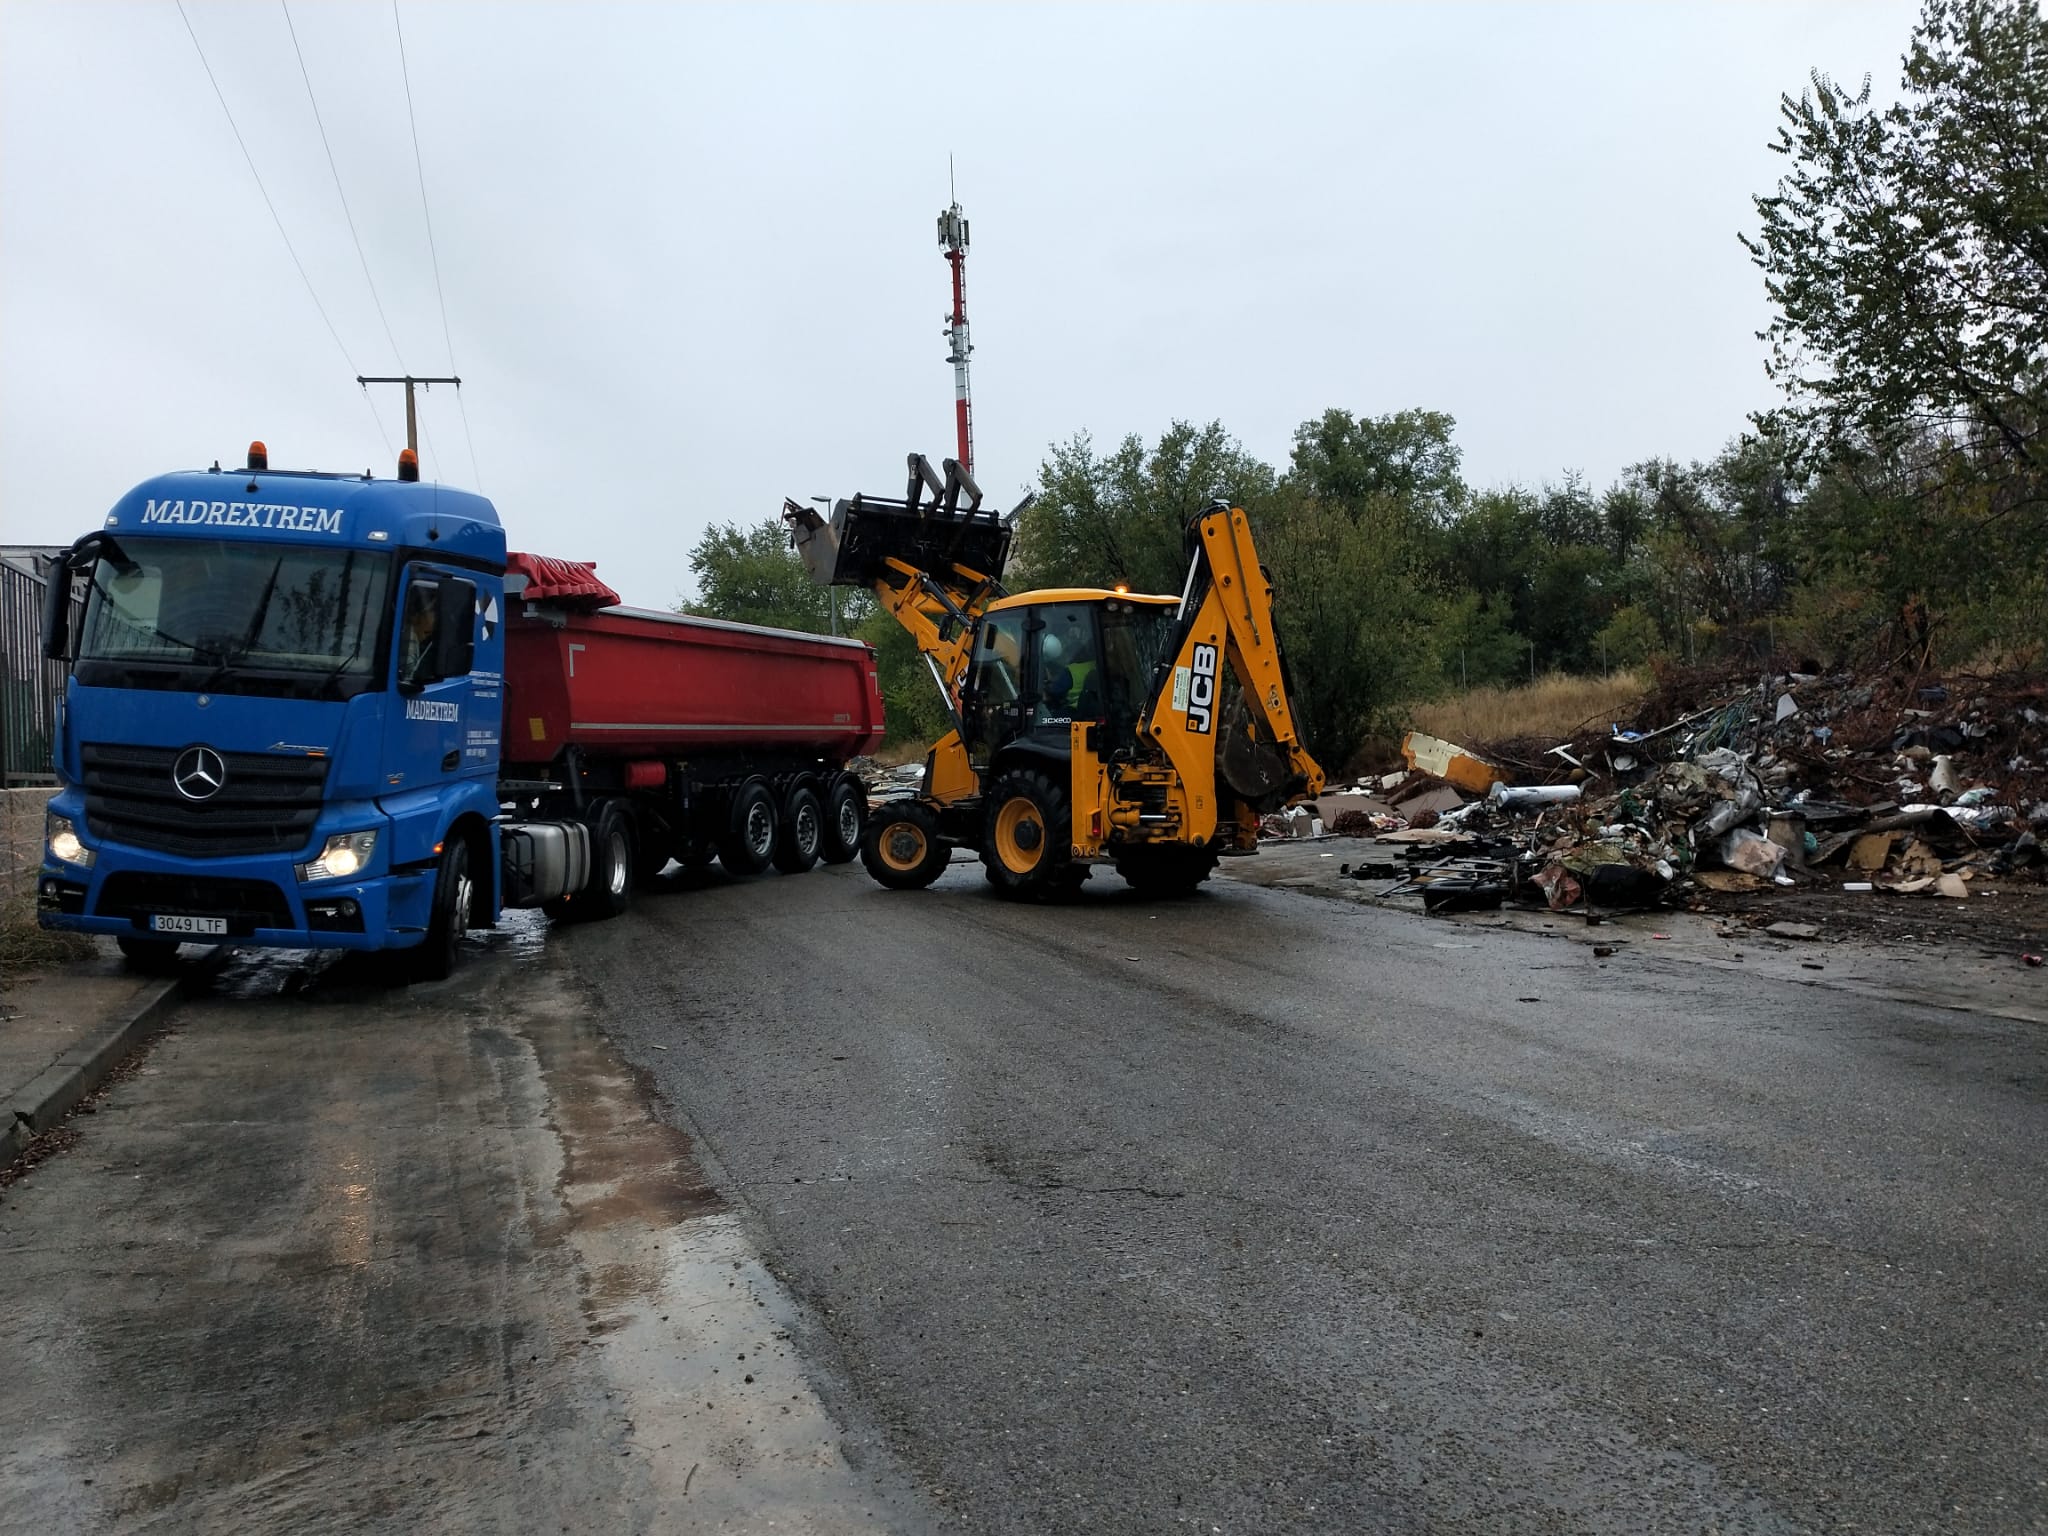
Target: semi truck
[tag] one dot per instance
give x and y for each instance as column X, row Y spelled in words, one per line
column 330, row 711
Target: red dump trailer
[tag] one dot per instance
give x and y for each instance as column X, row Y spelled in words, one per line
column 675, row 737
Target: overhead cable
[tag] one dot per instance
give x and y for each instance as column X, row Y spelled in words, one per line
column 419, row 167
column 335, row 170
column 290, row 249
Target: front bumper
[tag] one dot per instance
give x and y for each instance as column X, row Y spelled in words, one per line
column 255, row 901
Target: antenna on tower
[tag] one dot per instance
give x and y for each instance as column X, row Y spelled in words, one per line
column 953, row 239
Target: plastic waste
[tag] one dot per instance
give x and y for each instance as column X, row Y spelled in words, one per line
column 1534, row 796
column 1752, row 853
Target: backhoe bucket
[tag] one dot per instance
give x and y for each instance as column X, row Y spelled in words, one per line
column 853, row 548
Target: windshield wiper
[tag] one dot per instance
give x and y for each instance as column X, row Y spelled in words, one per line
column 229, row 660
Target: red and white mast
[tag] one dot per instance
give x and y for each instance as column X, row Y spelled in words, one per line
column 953, row 237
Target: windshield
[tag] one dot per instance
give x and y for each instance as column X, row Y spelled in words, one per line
column 234, row 618
column 1135, row 638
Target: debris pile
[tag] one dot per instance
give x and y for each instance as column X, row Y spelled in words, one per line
column 1721, row 784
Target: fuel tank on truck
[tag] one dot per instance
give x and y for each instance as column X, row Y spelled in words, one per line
column 614, row 681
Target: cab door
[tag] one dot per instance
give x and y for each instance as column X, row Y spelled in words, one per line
column 428, row 724
column 995, row 703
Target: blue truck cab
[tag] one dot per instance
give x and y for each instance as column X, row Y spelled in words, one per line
column 282, row 721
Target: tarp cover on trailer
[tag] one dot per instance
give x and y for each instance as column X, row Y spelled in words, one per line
column 560, row 581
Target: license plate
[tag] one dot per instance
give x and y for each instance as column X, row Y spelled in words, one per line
column 165, row 922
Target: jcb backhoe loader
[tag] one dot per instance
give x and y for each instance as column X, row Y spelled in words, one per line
column 1089, row 725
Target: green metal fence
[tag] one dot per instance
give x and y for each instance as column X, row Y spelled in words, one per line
column 29, row 686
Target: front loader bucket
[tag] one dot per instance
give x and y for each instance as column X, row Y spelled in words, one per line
column 854, row 547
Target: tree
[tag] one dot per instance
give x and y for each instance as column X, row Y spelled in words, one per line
column 750, row 574
column 1100, row 520
column 1405, row 460
column 1906, row 248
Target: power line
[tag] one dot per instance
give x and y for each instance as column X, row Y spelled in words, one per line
column 419, row 166
column 335, row 171
column 279, row 222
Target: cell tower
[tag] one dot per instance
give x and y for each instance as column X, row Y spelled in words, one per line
column 953, row 237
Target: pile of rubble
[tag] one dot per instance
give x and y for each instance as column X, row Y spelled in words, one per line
column 1788, row 781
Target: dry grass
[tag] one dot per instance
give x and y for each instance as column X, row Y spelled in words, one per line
column 26, row 947
column 1553, row 706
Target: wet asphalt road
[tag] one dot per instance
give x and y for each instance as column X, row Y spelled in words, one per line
column 1261, row 1213
column 793, row 1205
column 342, row 1257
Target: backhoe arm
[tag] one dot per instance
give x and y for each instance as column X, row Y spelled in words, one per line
column 1226, row 619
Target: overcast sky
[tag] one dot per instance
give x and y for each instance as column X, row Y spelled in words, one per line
column 689, row 256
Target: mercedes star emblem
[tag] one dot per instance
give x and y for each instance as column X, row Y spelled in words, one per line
column 199, row 773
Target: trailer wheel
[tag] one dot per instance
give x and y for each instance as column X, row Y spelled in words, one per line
column 902, row 848
column 1026, row 844
column 803, row 831
column 749, row 844
column 846, row 817
column 454, row 901
column 651, row 853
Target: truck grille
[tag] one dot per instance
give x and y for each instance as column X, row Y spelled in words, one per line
column 266, row 804
column 246, row 904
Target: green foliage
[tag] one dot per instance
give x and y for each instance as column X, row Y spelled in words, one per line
column 1104, row 519
column 1353, row 607
column 1628, row 639
column 1906, row 248
column 750, row 574
column 1906, row 251
column 1475, row 645
column 1405, row 461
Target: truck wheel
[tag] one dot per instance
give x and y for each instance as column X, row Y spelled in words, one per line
column 611, row 863
column 1168, row 870
column 1026, row 846
column 902, row 848
column 153, row 956
column 454, row 897
column 846, row 817
column 803, row 831
column 749, row 845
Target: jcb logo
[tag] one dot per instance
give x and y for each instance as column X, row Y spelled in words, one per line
column 1202, row 691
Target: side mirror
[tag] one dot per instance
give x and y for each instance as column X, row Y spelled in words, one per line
column 454, row 627
column 57, row 609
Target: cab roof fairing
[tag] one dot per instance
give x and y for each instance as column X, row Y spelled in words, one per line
column 299, row 508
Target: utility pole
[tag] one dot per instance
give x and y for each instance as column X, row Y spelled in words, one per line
column 412, row 420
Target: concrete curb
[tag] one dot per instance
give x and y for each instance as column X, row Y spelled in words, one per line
column 85, row 1066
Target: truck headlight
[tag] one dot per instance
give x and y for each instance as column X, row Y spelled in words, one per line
column 61, row 838
column 346, row 854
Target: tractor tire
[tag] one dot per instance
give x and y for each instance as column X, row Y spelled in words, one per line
column 846, row 817
column 803, row 832
column 1168, row 870
column 1027, row 843
column 901, row 846
column 748, row 847
column 453, row 911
